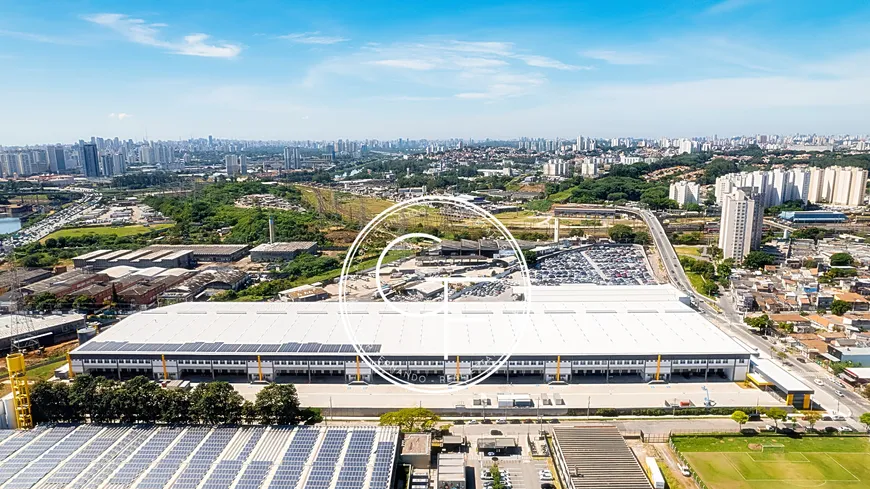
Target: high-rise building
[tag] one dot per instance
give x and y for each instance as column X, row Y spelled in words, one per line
column 243, row 164
column 686, row 146
column 23, row 164
column 119, row 164
column 288, row 158
column 685, row 192
column 558, row 168
column 774, row 187
column 107, row 168
column 232, row 163
column 90, row 160
column 56, row 159
column 837, row 185
column 740, row 226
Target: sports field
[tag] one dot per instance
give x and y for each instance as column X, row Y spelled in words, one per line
column 736, row 462
column 106, row 230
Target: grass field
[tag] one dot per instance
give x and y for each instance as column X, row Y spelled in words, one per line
column 688, row 251
column 106, row 230
column 346, row 204
column 728, row 462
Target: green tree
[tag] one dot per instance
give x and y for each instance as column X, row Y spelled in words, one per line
column 812, row 418
column 692, row 207
column 865, row 420
column 94, row 398
column 174, row 406
column 410, row 420
column 710, row 288
column 757, row 260
column 777, row 415
column 841, row 260
column 839, row 307
column 620, row 233
column 249, row 412
column 740, row 418
column 642, row 238
column 50, row 402
column 497, row 483
column 138, row 400
column 762, row 323
column 840, row 367
column 216, row 403
column 530, row 257
column 278, row 404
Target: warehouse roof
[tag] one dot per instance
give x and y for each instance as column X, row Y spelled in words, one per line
column 597, row 457
column 580, row 328
column 286, row 246
column 11, row 324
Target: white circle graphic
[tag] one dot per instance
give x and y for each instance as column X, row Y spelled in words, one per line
column 521, row 316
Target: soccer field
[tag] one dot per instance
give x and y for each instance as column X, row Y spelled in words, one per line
column 735, row 462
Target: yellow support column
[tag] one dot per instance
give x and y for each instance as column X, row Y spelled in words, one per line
column 357, row 369
column 807, row 401
column 658, row 367
column 165, row 372
column 20, row 390
column 72, row 374
column 259, row 368
column 559, row 368
column 458, row 376
column 789, row 399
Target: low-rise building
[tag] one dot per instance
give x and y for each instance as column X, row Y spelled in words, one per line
column 285, row 251
column 304, row 293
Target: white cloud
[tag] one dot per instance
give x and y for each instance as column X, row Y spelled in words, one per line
column 312, row 38
column 140, row 32
column 409, row 64
column 619, row 57
column 545, row 62
column 28, row 36
column 120, row 116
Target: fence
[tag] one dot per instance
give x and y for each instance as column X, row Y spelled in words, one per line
column 683, row 461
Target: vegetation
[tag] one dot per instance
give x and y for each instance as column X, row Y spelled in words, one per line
column 812, row 233
column 117, row 231
column 497, row 483
column 740, row 418
column 761, row 323
column 865, row 420
column 620, row 233
column 841, row 259
column 777, row 415
column 67, row 243
column 202, row 217
column 539, row 205
column 140, row 400
column 757, row 260
column 410, row 420
column 145, row 180
column 839, row 307
column 702, row 274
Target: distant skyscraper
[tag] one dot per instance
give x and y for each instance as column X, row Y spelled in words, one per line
column 685, row 192
column 296, row 158
column 90, row 160
column 106, row 165
column 288, row 158
column 119, row 164
column 243, row 164
column 232, row 163
column 210, row 141
column 740, row 226
column 56, row 160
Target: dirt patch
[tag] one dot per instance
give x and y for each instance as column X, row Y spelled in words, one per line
column 342, row 236
column 756, row 446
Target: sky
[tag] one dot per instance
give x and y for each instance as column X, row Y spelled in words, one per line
column 328, row 70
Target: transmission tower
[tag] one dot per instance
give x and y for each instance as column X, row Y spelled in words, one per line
column 22, row 325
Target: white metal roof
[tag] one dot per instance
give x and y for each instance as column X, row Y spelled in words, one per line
column 566, row 328
column 14, row 325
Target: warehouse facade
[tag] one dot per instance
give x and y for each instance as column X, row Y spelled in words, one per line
column 595, row 337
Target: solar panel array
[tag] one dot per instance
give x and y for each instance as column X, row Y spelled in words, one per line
column 197, row 457
column 200, row 347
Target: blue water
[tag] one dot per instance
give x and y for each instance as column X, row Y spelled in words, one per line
column 9, row 225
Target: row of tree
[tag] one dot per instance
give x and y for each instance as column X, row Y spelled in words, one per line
column 140, row 400
column 778, row 415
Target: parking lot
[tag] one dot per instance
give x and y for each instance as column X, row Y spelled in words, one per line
column 522, row 471
column 599, row 264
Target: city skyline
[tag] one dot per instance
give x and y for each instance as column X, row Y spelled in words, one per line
column 386, row 70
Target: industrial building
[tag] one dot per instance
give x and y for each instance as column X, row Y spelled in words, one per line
column 144, row 258
column 282, row 251
column 576, row 333
column 487, row 248
column 595, row 457
column 210, row 252
column 799, row 217
column 32, row 331
column 187, row 457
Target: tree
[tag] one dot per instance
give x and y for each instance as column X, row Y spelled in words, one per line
column 812, row 418
column 620, row 233
column 762, row 323
column 692, row 207
column 757, row 260
column 710, row 288
column 50, row 401
column 410, row 420
column 138, row 400
column 777, row 415
column 724, row 270
column 781, row 355
column 840, row 367
column 841, row 260
column 839, row 307
column 642, row 238
column 216, row 403
column 865, row 420
column 175, row 406
column 496, row 477
column 740, row 418
column 278, row 404
column 249, row 412
column 530, row 257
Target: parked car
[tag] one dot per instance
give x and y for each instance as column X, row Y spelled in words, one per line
column 802, row 359
column 839, row 394
column 769, row 427
column 545, row 475
column 501, row 421
column 846, row 429
column 547, row 485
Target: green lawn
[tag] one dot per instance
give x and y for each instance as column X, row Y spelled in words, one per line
column 697, row 281
column 44, row 372
column 727, row 462
column 107, row 230
column 688, row 251
column 371, row 262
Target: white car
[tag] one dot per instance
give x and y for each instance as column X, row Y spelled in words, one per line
column 501, row 421
column 769, row 427
column 545, row 475
column 846, row 429
column 819, row 382
column 472, row 421
column 684, row 469
column 839, row 394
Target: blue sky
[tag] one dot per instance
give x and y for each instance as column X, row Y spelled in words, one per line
column 328, row 70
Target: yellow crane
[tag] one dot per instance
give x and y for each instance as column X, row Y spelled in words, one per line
column 20, row 390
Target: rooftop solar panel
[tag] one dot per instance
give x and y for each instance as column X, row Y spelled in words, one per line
column 271, row 347
column 130, row 347
column 330, row 348
column 206, row 347
column 289, row 347
column 249, row 348
column 91, row 346
column 228, row 347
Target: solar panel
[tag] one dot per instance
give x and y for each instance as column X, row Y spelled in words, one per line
column 228, row 347
column 330, row 348
column 130, row 347
column 171, row 346
column 254, row 475
column 191, row 346
column 210, row 347
column 191, row 476
column 112, row 345
column 145, row 456
column 91, row 346
column 324, row 466
column 32, row 449
column 92, row 451
column 370, row 348
column 151, row 347
column 271, row 347
column 160, row 474
column 249, row 348
column 289, row 347
column 347, row 348
column 49, row 460
column 309, row 348
column 97, row 473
